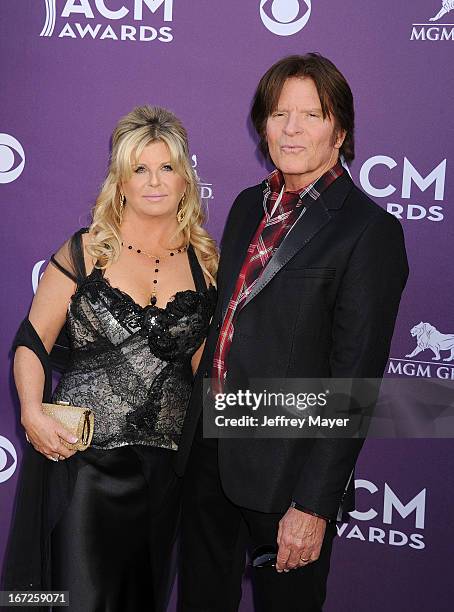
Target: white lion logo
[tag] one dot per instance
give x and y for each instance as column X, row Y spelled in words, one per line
column 428, row 337
column 447, row 6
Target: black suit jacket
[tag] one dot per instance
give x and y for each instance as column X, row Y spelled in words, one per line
column 325, row 306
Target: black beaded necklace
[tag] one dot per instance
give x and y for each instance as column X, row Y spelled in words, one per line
column 157, row 261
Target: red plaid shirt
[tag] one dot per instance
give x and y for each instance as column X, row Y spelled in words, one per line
column 270, row 233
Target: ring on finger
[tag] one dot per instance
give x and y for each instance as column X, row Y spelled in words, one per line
column 304, row 560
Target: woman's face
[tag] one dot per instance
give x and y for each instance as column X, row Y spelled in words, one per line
column 154, row 189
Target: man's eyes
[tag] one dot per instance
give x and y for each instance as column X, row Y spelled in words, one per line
column 283, row 114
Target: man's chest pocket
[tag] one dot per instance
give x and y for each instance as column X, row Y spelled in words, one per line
column 293, row 272
column 315, row 285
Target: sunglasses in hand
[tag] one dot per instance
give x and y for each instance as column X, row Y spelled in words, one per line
column 264, row 556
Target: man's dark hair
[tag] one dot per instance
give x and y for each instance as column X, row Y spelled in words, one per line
column 333, row 90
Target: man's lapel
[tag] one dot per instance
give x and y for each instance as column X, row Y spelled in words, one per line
column 305, row 229
column 307, row 226
column 237, row 250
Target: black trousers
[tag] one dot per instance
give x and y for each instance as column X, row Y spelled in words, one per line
column 215, row 536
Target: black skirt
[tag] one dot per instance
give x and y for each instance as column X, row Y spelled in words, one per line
column 112, row 548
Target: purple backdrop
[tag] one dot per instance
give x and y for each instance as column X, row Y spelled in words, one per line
column 71, row 68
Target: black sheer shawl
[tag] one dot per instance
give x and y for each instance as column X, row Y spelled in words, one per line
column 37, row 505
column 44, row 487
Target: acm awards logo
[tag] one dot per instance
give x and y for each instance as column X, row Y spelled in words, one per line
column 285, row 17
column 434, row 349
column 382, row 176
column 375, row 522
column 7, row 448
column 94, row 19
column 205, row 189
column 36, row 274
column 12, row 158
column 436, row 29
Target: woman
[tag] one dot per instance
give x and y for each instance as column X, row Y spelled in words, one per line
column 136, row 291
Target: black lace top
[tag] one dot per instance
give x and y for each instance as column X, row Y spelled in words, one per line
column 131, row 364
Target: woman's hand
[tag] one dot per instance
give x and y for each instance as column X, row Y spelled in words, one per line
column 46, row 434
column 47, row 315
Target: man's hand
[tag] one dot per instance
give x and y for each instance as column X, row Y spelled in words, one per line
column 300, row 537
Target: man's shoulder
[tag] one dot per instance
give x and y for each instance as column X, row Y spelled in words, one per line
column 364, row 208
column 250, row 194
column 245, row 200
column 253, row 189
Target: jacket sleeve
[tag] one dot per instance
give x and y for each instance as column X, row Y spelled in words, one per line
column 364, row 318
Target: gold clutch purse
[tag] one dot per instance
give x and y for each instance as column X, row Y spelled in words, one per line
column 77, row 420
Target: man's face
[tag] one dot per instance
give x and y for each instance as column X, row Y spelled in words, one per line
column 302, row 144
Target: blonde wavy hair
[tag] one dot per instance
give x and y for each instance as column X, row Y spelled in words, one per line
column 142, row 126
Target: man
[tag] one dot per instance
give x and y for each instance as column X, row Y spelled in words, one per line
column 310, row 279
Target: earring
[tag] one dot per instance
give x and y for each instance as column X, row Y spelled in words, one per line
column 181, row 212
column 122, row 206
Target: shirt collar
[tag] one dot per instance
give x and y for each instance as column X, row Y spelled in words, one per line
column 275, row 181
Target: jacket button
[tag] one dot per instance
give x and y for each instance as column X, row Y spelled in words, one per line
column 218, row 326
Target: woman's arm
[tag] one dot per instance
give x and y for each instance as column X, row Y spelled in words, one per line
column 47, row 315
column 196, row 358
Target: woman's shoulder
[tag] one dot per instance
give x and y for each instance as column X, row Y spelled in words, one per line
column 81, row 235
column 78, row 245
column 78, row 239
column 87, row 239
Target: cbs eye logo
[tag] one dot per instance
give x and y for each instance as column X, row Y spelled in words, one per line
column 36, row 274
column 6, row 445
column 285, row 17
column 12, row 158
